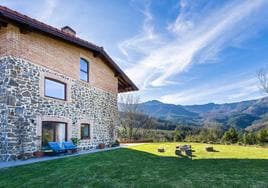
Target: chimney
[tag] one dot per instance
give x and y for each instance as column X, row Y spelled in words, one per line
column 68, row 30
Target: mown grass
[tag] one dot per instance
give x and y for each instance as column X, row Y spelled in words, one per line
column 221, row 151
column 143, row 166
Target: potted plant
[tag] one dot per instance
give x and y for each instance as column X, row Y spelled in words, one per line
column 75, row 141
column 101, row 146
column 39, row 153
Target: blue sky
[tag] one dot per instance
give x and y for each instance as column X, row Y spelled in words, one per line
column 181, row 52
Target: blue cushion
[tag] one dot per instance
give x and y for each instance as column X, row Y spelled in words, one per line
column 69, row 145
column 55, row 146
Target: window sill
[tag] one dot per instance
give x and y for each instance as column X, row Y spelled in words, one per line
column 56, row 100
column 85, row 82
column 85, row 139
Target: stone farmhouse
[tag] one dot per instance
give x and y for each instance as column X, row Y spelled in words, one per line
column 54, row 86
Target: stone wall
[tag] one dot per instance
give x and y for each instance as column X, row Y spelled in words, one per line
column 23, row 107
column 3, row 110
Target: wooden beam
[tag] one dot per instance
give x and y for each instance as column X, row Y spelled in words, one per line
column 96, row 54
column 3, row 23
column 25, row 29
column 122, row 81
column 120, row 85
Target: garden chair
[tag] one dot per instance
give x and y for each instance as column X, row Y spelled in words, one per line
column 69, row 146
column 56, row 148
column 189, row 153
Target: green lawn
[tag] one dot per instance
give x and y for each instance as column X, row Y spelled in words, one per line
column 143, row 166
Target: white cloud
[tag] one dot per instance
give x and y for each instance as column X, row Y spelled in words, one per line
column 142, row 42
column 197, row 39
column 48, row 9
column 216, row 92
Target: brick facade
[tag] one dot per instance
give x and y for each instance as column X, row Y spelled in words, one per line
column 55, row 55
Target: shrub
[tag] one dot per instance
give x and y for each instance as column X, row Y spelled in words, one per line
column 75, row 141
column 177, row 136
column 230, row 136
column 116, row 143
column 249, row 138
column 262, row 137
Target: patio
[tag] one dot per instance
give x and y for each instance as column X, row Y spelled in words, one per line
column 49, row 158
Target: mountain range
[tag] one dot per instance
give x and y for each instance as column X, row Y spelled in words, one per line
column 249, row 115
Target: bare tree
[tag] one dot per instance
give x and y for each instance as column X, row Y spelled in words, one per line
column 144, row 124
column 262, row 76
column 133, row 119
column 149, row 124
column 129, row 107
column 113, row 126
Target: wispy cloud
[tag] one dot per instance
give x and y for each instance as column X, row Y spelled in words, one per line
column 197, row 38
column 217, row 92
column 48, row 9
column 146, row 39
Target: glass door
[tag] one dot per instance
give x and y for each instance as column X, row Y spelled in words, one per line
column 53, row 132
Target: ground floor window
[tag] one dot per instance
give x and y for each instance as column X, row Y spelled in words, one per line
column 85, row 131
column 53, row 132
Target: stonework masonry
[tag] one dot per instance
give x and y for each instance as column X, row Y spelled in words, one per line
column 23, row 108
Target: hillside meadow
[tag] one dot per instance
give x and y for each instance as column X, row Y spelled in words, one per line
column 142, row 166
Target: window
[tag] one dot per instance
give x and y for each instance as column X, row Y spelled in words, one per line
column 84, row 70
column 85, row 131
column 55, row 89
column 53, row 132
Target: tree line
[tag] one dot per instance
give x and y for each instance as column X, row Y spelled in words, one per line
column 136, row 126
column 218, row 135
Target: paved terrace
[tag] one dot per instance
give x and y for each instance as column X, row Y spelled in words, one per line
column 49, row 158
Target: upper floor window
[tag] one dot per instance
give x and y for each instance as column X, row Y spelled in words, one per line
column 84, row 70
column 55, row 89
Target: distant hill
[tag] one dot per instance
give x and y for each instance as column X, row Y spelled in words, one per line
column 248, row 115
column 167, row 111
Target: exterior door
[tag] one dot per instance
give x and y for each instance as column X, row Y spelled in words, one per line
column 53, row 132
